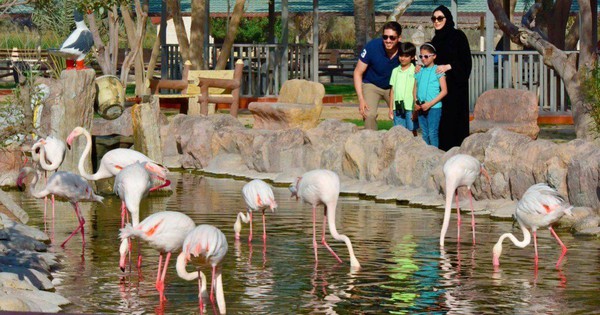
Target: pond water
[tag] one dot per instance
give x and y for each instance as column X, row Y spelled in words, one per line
column 403, row 269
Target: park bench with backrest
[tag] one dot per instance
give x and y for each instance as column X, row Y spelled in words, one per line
column 198, row 88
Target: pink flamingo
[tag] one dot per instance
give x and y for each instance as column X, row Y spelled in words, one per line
column 540, row 207
column 208, row 241
column 66, row 185
column 460, row 170
column 259, row 197
column 322, row 187
column 164, row 231
column 112, row 162
column 51, row 150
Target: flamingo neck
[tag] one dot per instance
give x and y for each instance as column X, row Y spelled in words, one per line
column 450, row 191
column 497, row 251
column 86, row 152
column 331, row 207
column 182, row 272
column 219, row 291
column 43, row 162
column 237, row 226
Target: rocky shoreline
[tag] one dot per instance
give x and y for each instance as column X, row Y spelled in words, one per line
column 25, row 269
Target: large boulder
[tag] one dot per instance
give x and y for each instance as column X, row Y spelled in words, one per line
column 299, row 105
column 511, row 109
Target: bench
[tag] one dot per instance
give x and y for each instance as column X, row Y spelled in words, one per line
column 13, row 61
column 337, row 63
column 199, row 87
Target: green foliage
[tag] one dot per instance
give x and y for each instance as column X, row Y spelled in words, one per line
column 591, row 90
column 381, row 124
column 250, row 30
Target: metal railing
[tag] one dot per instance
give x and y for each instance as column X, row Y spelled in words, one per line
column 511, row 69
column 519, row 70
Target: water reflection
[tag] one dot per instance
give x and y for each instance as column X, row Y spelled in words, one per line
column 404, row 271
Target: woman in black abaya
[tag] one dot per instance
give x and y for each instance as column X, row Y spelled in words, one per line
column 454, row 59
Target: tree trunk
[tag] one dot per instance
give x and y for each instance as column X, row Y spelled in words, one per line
column 238, row 12
column 360, row 24
column 196, row 55
column 568, row 68
column 182, row 37
column 135, row 34
column 106, row 56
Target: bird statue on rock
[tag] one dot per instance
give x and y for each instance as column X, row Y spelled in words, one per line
column 78, row 44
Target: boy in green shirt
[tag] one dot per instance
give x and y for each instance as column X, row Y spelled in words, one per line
column 403, row 93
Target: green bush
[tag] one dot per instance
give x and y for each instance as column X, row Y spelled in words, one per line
column 250, row 30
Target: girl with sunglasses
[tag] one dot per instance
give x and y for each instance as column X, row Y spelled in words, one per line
column 431, row 88
column 454, row 60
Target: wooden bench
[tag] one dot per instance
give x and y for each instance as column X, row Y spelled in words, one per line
column 337, row 63
column 200, row 87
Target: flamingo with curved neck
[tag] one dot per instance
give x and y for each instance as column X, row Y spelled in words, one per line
column 113, row 161
column 207, row 241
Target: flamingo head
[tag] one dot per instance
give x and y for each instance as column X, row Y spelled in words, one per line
column 294, row 188
column 497, row 251
column 123, row 250
column 77, row 131
column 21, row 177
column 156, row 170
column 237, row 227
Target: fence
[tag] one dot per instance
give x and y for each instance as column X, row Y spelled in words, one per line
column 519, row 70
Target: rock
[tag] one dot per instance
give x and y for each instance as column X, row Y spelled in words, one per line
column 146, row 129
column 10, row 163
column 74, row 107
column 361, row 160
column 13, row 207
column 226, row 164
column 119, row 126
column 299, row 105
column 511, row 109
column 583, row 177
column 325, row 147
column 12, row 303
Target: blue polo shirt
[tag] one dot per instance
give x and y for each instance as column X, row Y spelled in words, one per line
column 379, row 65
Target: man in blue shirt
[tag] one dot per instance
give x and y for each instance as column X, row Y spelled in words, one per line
column 373, row 71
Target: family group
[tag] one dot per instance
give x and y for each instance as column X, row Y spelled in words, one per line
column 430, row 93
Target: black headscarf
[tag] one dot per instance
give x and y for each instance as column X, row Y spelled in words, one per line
column 449, row 26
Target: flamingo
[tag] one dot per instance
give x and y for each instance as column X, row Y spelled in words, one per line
column 66, row 185
column 540, row 207
column 164, row 231
column 113, row 161
column 322, row 187
column 51, row 150
column 460, row 170
column 208, row 241
column 259, row 197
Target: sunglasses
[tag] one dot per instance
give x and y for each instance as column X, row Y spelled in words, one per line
column 437, row 18
column 426, row 56
column 391, row 37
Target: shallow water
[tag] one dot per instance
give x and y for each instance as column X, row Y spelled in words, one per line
column 404, row 271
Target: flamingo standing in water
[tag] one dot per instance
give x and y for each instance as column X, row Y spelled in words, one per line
column 209, row 242
column 67, row 185
column 460, row 170
column 51, row 150
column 164, row 231
column 112, row 162
column 259, row 197
column 322, row 187
column 540, row 207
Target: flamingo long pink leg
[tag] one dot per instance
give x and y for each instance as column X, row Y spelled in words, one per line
column 123, row 213
column 458, row 220
column 314, row 217
column 161, row 285
column 472, row 215
column 160, row 257
column 264, row 227
column 535, row 247
column 250, row 235
column 80, row 227
column 323, row 237
column 562, row 246
column 200, row 304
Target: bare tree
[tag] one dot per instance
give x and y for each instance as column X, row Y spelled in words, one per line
column 234, row 22
column 570, row 70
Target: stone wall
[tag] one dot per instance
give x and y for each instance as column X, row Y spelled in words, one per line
column 221, row 144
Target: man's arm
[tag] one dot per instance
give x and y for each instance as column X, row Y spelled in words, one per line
column 359, row 71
